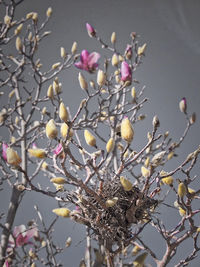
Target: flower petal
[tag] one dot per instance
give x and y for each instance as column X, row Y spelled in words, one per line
column 4, row 148
column 92, row 59
column 80, row 65
column 19, row 229
column 84, row 56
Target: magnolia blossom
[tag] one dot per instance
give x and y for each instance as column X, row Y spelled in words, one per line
column 6, row 264
column 21, row 236
column 88, row 61
column 91, row 31
column 126, row 73
column 4, row 149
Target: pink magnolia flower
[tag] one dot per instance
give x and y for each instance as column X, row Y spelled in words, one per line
column 58, row 149
column 21, row 236
column 4, row 149
column 88, row 61
column 126, row 73
column 91, row 31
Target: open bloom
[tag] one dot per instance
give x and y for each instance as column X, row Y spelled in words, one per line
column 126, row 73
column 88, row 61
column 4, row 149
column 21, row 236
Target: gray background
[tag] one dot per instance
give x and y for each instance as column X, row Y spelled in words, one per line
column 170, row 70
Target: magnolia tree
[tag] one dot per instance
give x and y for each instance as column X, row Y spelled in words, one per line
column 100, row 180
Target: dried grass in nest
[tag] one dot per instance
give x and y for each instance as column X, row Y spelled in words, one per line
column 113, row 224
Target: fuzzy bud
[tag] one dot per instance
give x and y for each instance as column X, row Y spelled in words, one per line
column 113, row 38
column 139, row 261
column 74, row 48
column 145, row 172
column 110, row 145
column 82, row 81
column 89, row 138
column 111, row 202
column 63, row 114
column 58, row 180
column 64, row 128
column 55, row 65
column 127, row 132
column 114, row 60
column 127, row 185
column 63, row 212
column 12, row 157
column 18, row 44
column 141, row 49
column 50, row 91
column 167, row 180
column 101, row 78
column 183, row 105
column 63, row 53
column 51, row 130
column 49, row 12
column 7, row 20
column 155, row 121
column 18, row 29
column 181, row 190
column 37, row 153
column 193, row 118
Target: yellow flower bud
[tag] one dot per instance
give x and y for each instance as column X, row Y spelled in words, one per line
column 121, row 58
column 33, row 264
column 193, row 118
column 110, row 145
column 29, row 15
column 49, row 12
column 30, row 36
column 82, row 82
column 35, row 17
column 16, row 120
column 44, row 110
column 63, row 114
column 111, row 202
column 141, row 49
column 101, row 78
column 18, row 44
column 114, row 60
column 58, row 180
column 147, row 161
column 145, row 172
column 63, row 212
column 89, row 138
column 37, row 153
column 56, row 87
column 135, row 250
column 64, row 130
column 55, row 65
column 198, row 230
column 113, row 38
column 18, row 29
column 127, row 132
column 133, row 93
column 92, row 84
column 7, row 20
column 181, row 190
column 155, row 121
column 44, row 166
column 182, row 212
column 12, row 157
column 11, row 94
column 63, row 52
column 12, row 139
column 191, row 191
column 126, row 154
column 170, row 155
column 127, row 185
column 167, row 180
column 74, row 48
column 51, row 130
column 139, row 261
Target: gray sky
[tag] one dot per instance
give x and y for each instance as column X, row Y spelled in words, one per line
column 170, row 71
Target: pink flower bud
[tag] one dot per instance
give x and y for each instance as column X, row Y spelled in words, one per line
column 126, row 73
column 91, row 31
column 4, row 149
column 58, row 149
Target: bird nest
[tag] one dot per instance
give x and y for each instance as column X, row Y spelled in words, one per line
column 112, row 225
